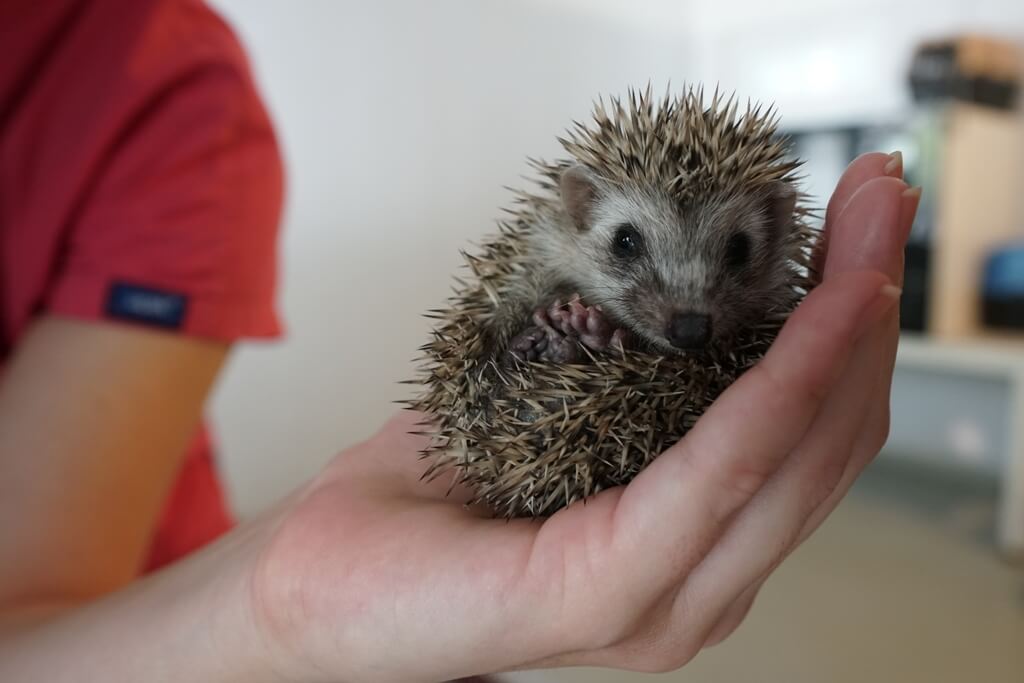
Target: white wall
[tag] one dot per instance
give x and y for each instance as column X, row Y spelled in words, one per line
column 402, row 120
column 828, row 61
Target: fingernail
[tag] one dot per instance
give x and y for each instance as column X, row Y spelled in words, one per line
column 883, row 302
column 892, row 292
column 894, row 167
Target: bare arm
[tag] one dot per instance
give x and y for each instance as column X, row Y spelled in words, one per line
column 94, row 420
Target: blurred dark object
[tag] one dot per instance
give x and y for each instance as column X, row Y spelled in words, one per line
column 970, row 137
column 961, row 141
column 914, row 302
column 828, row 150
column 1002, row 302
column 979, row 70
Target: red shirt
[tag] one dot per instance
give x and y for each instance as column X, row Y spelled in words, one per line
column 140, row 183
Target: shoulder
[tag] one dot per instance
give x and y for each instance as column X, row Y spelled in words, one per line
column 186, row 196
column 182, row 38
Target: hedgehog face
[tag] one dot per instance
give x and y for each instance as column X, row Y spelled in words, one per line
column 681, row 277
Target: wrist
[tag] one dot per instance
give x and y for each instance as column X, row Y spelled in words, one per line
column 224, row 602
column 202, row 624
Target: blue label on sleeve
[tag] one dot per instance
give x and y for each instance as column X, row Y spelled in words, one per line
column 146, row 305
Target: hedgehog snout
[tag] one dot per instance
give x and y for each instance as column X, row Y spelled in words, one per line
column 689, row 331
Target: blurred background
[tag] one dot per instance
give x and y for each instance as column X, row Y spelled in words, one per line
column 401, row 123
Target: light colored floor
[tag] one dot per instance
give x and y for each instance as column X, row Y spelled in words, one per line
column 901, row 585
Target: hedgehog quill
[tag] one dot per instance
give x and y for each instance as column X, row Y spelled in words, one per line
column 638, row 278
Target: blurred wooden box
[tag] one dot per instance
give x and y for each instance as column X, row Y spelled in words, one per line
column 980, row 205
column 979, row 198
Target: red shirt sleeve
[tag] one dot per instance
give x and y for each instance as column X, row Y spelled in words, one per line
column 140, row 182
column 179, row 228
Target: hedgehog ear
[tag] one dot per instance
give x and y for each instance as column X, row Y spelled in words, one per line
column 781, row 204
column 579, row 195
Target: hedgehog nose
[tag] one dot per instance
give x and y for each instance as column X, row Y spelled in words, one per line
column 689, row 330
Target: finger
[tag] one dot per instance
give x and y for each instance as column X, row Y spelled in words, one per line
column 884, row 338
column 864, row 168
column 866, row 446
column 765, row 531
column 733, row 616
column 697, row 485
column 863, row 453
column 868, row 234
column 887, row 337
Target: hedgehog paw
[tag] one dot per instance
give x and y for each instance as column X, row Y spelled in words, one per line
column 587, row 323
column 560, row 331
column 561, row 349
column 544, row 343
column 529, row 344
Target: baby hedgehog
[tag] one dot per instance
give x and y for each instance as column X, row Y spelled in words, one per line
column 637, row 280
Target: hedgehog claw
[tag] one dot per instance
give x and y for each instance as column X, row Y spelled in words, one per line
column 620, row 339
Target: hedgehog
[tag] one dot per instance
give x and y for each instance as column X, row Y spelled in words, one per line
column 630, row 286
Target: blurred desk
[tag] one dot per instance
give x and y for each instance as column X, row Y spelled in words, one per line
column 964, row 401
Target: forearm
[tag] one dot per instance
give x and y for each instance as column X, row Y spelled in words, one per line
column 190, row 622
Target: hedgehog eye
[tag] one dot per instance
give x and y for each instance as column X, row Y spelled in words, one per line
column 737, row 250
column 626, row 242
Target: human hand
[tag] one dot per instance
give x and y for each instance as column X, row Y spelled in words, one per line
column 371, row 574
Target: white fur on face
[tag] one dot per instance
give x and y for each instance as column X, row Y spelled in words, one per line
column 674, row 264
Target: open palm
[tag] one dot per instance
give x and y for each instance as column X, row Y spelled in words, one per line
column 373, row 575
